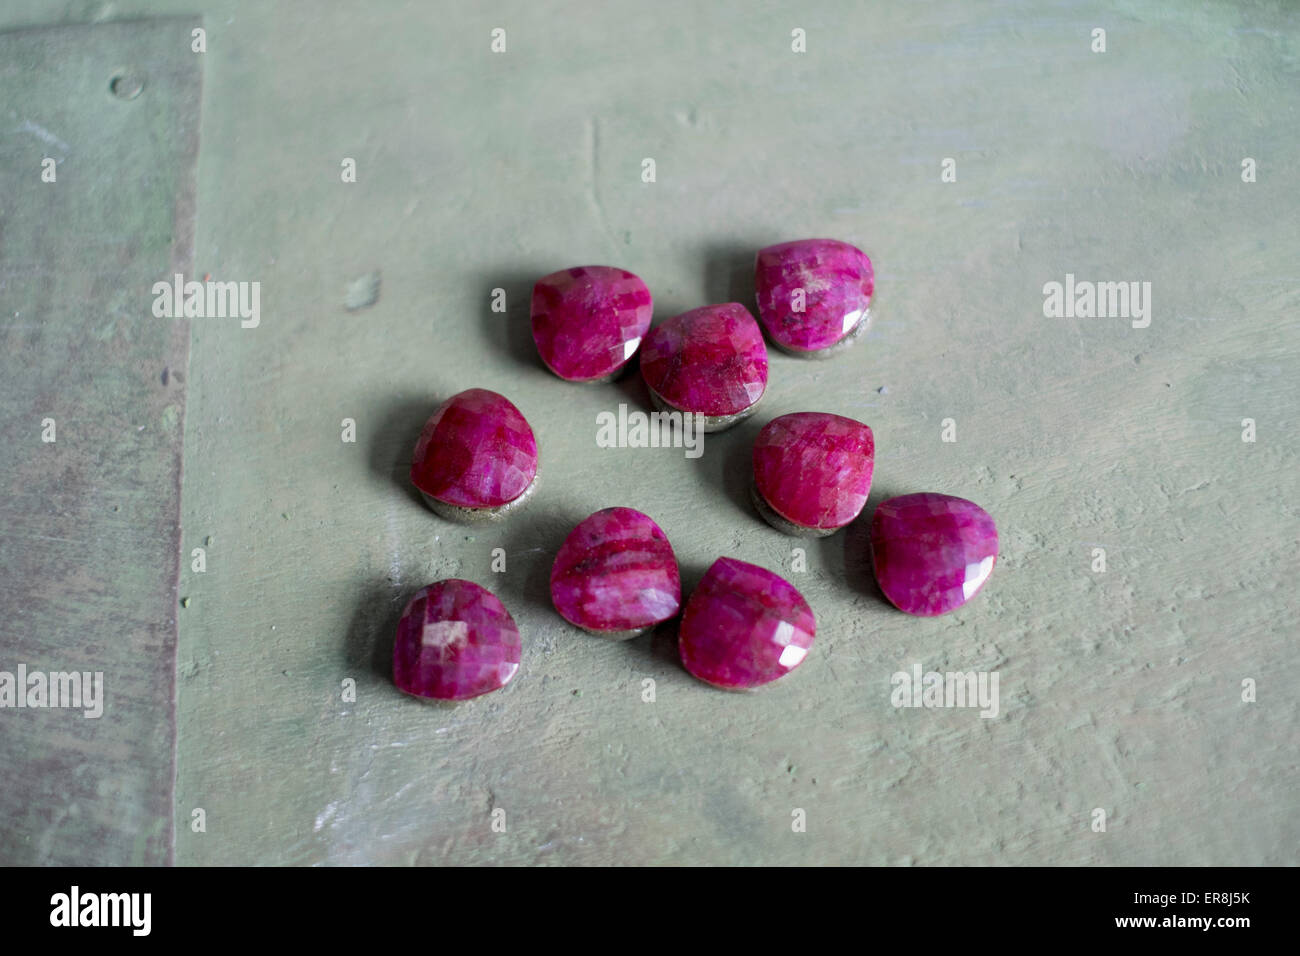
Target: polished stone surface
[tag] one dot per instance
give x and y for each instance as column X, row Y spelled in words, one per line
column 616, row 573
column 932, row 552
column 589, row 321
column 476, row 451
column 455, row 640
column 814, row 468
column 710, row 360
column 744, row 626
column 812, row 293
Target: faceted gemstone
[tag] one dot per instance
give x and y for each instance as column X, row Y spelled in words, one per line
column 616, row 574
column 476, row 451
column 455, row 641
column 932, row 552
column 588, row 321
column 710, row 360
column 744, row 626
column 813, row 293
column 813, row 470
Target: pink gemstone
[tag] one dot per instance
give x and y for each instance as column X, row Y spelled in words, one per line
column 476, row 451
column 455, row 641
column 616, row 574
column 831, row 280
column 710, row 360
column 813, row 469
column 744, row 626
column 588, row 321
column 932, row 552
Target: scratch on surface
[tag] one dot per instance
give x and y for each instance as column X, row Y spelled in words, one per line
column 44, row 135
column 394, row 547
column 47, row 837
column 325, row 816
column 592, row 129
column 46, row 537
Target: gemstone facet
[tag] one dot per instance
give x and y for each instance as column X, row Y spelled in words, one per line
column 588, row 321
column 813, row 294
column 455, row 640
column 744, row 626
column 932, row 552
column 476, row 457
column 812, row 471
column 711, row 361
column 616, row 575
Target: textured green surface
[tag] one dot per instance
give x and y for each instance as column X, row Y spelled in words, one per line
column 1119, row 690
column 89, row 527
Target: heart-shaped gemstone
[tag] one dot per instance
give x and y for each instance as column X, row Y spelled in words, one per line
column 616, row 575
column 813, row 294
column 812, row 471
column 588, row 321
column 932, row 552
column 710, row 361
column 476, row 454
column 744, row 626
column 455, row 640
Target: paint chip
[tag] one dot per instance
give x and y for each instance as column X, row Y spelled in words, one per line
column 363, row 292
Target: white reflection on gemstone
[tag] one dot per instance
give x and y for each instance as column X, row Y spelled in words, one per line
column 792, row 655
column 976, row 574
column 444, row 634
column 851, row 319
column 505, row 671
column 658, row 602
column 629, row 347
column 784, row 633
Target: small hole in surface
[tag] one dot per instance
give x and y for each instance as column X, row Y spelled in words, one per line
column 126, row 85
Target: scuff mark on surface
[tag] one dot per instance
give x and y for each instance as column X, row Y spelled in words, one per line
column 592, row 131
column 45, row 136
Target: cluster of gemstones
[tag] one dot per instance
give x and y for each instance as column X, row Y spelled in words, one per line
column 616, row 575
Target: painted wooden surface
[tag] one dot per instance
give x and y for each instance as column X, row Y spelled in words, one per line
column 93, row 389
column 1120, row 690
